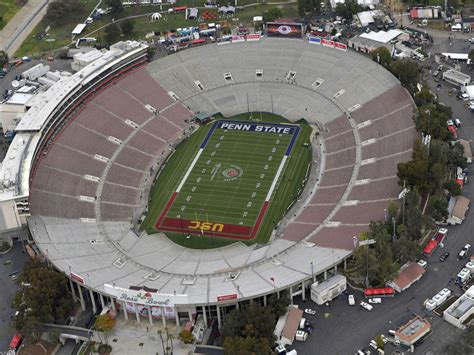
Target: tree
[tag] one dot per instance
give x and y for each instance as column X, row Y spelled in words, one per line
column 186, row 337
column 127, row 27
column 453, row 188
column 272, row 14
column 112, row 33
column 440, row 208
column 308, row 6
column 382, row 56
column 347, row 9
column 407, row 71
column 455, row 156
column 3, row 58
column 115, row 5
column 104, row 323
column 414, row 173
column 59, row 12
column 233, row 324
column 404, row 249
column 45, row 300
column 246, row 346
column 380, row 342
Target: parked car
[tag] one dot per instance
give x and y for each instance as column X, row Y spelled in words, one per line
column 463, row 253
column 444, row 256
column 351, row 300
column 310, row 311
column 375, row 300
column 366, row 306
column 457, row 122
column 422, row 263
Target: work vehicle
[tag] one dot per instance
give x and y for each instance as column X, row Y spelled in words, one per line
column 310, row 311
column 444, row 256
column 422, row 263
column 301, row 335
column 351, row 300
column 366, row 306
column 463, row 253
column 375, row 300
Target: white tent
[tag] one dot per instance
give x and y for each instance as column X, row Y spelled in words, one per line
column 156, row 16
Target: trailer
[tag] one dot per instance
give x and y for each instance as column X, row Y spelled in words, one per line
column 456, row 78
column 328, row 290
column 463, row 276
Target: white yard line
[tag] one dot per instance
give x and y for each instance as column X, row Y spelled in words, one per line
column 275, row 179
column 189, row 170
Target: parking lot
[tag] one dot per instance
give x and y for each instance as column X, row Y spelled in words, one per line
column 343, row 329
column 10, row 263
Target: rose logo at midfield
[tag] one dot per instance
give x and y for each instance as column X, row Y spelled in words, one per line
column 233, row 172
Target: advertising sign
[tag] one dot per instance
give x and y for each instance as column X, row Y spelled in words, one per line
column 230, row 296
column 340, row 46
column 315, row 40
column 237, row 39
column 287, row 30
column 327, row 42
column 253, row 37
column 145, row 297
column 76, row 277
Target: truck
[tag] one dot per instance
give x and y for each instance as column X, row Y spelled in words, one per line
column 463, row 276
column 326, row 291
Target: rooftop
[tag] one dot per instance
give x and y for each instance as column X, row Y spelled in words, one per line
column 409, row 275
column 413, row 330
column 463, row 305
column 382, row 36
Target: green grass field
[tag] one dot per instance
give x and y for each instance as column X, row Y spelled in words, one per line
column 8, row 9
column 209, row 195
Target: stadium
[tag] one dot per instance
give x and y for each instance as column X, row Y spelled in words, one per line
column 89, row 150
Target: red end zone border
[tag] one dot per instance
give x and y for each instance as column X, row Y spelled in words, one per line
column 207, row 228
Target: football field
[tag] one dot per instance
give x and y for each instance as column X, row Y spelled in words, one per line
column 227, row 186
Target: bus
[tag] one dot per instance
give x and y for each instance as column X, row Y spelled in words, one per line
column 379, row 292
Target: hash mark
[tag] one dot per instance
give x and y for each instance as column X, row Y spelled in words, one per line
column 208, row 162
column 262, row 176
column 273, row 150
column 193, row 188
column 183, row 208
column 213, row 153
column 188, row 198
column 203, row 170
column 218, row 145
column 265, row 167
column 270, row 158
column 249, row 204
column 258, row 184
column 198, row 180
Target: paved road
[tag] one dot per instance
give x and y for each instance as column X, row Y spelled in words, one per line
column 7, row 291
column 20, row 26
column 348, row 329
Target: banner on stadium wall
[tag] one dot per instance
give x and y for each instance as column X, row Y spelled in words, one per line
column 286, row 30
column 327, row 42
column 253, row 37
column 156, row 312
column 314, row 40
column 340, row 46
column 238, row 39
column 147, row 297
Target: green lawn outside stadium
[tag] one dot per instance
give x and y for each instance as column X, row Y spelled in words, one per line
column 288, row 188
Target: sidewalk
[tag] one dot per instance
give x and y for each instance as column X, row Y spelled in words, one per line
column 130, row 337
column 21, row 25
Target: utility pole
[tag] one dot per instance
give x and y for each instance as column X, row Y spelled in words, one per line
column 367, row 243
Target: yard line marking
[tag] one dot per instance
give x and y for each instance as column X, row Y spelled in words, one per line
column 275, row 179
column 189, row 170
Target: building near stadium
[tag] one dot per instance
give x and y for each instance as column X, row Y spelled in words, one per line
column 87, row 151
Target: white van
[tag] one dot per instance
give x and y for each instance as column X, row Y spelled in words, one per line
column 301, row 335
